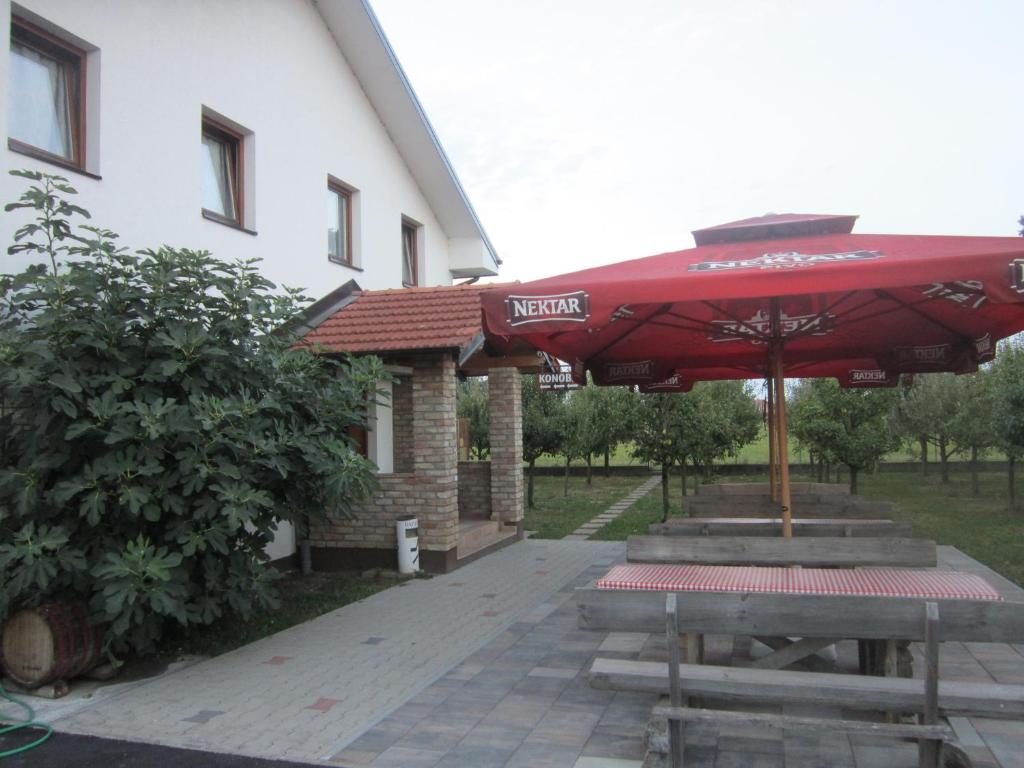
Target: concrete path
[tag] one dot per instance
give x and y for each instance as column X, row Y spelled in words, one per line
column 593, row 526
column 524, row 701
column 305, row 693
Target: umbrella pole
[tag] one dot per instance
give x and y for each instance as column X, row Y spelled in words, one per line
column 783, row 447
column 771, row 439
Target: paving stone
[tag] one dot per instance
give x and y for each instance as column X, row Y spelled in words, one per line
column 612, row 742
column 606, row 762
column 402, row 757
column 323, row 704
column 543, row 756
column 203, row 716
column 567, row 674
column 469, row 756
column 498, row 735
column 623, row 642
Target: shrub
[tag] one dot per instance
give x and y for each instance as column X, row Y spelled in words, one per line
column 156, row 422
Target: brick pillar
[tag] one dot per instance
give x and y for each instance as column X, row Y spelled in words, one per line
column 504, row 399
column 435, row 455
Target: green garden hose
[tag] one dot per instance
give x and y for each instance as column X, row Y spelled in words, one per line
column 28, row 723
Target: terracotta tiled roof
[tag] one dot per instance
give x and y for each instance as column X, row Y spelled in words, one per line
column 442, row 317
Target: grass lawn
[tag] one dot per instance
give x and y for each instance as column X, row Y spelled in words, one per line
column 555, row 515
column 646, row 511
column 982, row 527
column 302, row 598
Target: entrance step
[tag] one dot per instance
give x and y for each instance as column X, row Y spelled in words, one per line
column 475, row 535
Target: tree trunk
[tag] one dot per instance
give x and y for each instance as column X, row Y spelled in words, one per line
column 664, row 492
column 305, row 557
column 853, row 479
column 821, row 468
column 975, row 490
column 682, row 477
column 944, row 458
column 565, row 483
column 590, row 470
column 923, row 441
column 1011, row 471
column 828, row 471
column 529, row 484
column 607, row 456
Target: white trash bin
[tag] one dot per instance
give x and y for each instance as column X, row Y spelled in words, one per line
column 408, row 534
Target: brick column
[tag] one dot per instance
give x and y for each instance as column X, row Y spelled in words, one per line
column 504, row 399
column 435, row 453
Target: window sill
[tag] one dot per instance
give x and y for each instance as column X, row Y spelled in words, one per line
column 48, row 157
column 216, row 217
column 344, row 264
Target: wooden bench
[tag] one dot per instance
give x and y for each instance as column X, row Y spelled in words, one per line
column 811, row 617
column 750, row 550
column 772, row 526
column 811, row 505
column 764, row 489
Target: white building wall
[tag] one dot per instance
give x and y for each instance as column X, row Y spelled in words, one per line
column 271, row 66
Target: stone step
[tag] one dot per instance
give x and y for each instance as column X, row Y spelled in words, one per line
column 475, row 535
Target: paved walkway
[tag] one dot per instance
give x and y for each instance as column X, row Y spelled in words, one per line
column 524, row 701
column 305, row 693
column 482, row 668
column 587, row 529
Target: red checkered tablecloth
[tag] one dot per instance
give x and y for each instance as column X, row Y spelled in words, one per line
column 888, row 582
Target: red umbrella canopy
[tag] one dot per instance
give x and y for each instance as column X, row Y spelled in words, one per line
column 834, row 302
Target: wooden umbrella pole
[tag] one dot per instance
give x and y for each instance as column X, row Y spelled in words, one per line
column 783, row 447
column 772, row 466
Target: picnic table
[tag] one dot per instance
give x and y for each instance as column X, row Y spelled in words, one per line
column 834, row 603
column 818, row 606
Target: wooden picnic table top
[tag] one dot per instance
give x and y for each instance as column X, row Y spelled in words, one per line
column 868, row 582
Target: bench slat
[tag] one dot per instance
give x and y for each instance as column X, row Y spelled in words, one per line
column 771, row 527
column 822, row 688
column 808, row 551
column 789, row 722
column 738, row 613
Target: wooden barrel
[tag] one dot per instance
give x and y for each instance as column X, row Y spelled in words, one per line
column 52, row 642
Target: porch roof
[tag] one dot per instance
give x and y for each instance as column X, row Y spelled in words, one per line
column 398, row 320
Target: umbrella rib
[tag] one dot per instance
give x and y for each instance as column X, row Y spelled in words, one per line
column 807, row 324
column 701, row 327
column 753, row 331
column 660, row 310
column 915, row 308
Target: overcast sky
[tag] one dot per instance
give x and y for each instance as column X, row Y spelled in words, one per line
column 587, row 132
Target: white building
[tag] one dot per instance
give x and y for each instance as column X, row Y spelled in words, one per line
column 278, row 129
column 222, row 125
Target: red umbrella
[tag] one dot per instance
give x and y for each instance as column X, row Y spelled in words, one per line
column 784, row 295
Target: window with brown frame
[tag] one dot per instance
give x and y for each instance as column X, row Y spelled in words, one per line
column 361, row 438
column 339, row 224
column 46, row 96
column 410, row 267
column 221, row 172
